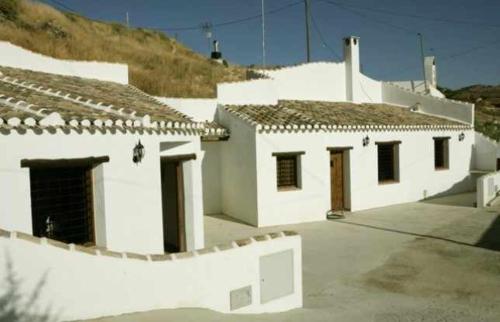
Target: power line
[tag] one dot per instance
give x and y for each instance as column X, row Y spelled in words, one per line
column 232, row 22
column 414, row 16
column 382, row 22
column 322, row 39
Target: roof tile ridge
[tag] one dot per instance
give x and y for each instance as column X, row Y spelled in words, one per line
column 78, row 100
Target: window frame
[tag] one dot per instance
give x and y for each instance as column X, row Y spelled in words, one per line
column 395, row 162
column 298, row 170
column 445, row 153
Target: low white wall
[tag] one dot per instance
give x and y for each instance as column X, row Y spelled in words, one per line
column 200, row 109
column 131, row 207
column 84, row 284
column 259, row 91
column 419, row 87
column 451, row 109
column 370, row 90
column 486, row 152
column 418, row 177
column 17, row 57
column 487, row 188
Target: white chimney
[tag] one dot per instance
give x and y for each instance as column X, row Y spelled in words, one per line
column 351, row 59
column 430, row 70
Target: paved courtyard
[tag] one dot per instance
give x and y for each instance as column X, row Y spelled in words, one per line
column 428, row 261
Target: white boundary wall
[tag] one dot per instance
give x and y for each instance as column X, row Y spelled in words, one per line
column 17, row 57
column 259, row 91
column 82, row 285
column 486, row 152
column 200, row 109
column 487, row 188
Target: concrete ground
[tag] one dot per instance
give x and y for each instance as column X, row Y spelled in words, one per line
column 437, row 260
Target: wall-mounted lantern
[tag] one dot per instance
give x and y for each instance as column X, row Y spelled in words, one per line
column 461, row 136
column 139, row 152
column 366, row 140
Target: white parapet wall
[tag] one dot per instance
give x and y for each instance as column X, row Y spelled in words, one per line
column 17, row 57
column 259, row 91
column 255, row 275
column 199, row 109
column 451, row 109
column 487, row 188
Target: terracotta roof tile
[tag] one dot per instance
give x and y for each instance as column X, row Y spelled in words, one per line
column 310, row 113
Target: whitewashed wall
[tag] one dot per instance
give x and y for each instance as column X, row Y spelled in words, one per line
column 211, row 170
column 200, row 109
column 238, row 171
column 487, row 188
column 418, row 178
column 314, row 81
column 455, row 110
column 486, row 153
column 17, row 57
column 78, row 285
column 130, row 206
column 259, row 91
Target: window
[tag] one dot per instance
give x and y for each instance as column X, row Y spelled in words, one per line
column 287, row 170
column 388, row 161
column 62, row 199
column 441, row 157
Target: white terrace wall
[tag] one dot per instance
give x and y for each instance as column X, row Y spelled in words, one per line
column 418, row 177
column 314, row 81
column 128, row 211
column 82, row 283
column 199, row 109
column 485, row 153
column 259, row 91
column 451, row 109
column 17, row 57
column 487, row 188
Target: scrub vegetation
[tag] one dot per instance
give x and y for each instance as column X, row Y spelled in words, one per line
column 158, row 65
column 487, row 101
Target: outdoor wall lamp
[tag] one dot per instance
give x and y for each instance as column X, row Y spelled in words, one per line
column 139, row 152
column 366, row 140
column 461, row 136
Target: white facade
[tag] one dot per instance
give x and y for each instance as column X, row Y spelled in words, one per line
column 128, row 205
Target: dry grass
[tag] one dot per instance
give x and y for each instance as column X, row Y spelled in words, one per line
column 157, row 64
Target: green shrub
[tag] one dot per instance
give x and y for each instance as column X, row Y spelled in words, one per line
column 9, row 9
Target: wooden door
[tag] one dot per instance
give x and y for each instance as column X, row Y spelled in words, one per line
column 337, row 179
column 172, row 182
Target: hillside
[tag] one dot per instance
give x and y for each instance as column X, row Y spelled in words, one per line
column 158, row 64
column 487, row 100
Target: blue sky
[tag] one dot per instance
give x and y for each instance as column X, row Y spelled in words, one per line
column 464, row 35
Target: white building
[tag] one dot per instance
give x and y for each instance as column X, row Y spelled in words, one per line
column 317, row 137
column 71, row 168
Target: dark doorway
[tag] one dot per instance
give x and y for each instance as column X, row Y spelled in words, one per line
column 337, row 179
column 62, row 203
column 172, row 187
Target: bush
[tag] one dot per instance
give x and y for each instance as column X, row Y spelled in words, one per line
column 9, row 9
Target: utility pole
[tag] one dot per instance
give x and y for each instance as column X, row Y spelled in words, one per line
column 126, row 18
column 263, row 35
column 423, row 60
column 308, row 34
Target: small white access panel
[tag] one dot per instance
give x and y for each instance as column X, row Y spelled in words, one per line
column 276, row 275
